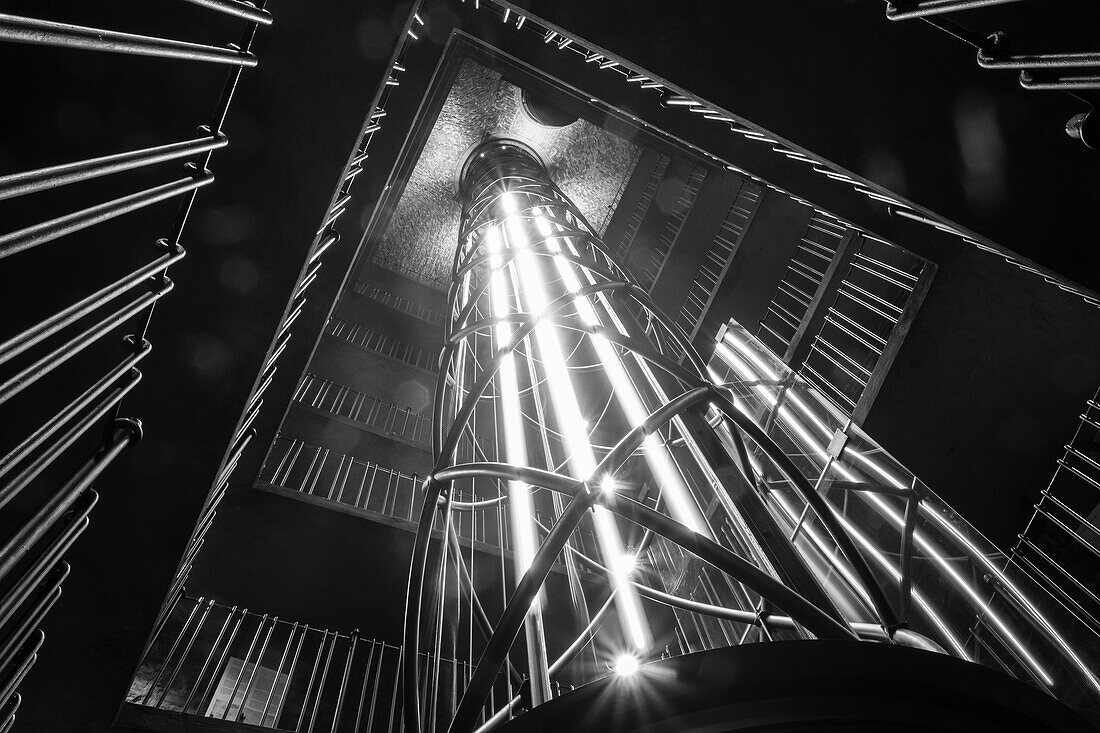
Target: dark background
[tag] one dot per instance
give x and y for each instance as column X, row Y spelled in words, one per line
column 899, row 103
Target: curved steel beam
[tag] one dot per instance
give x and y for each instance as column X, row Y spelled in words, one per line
column 738, row 568
column 822, row 509
column 473, row 699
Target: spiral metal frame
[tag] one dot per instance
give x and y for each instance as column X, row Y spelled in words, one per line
column 504, row 185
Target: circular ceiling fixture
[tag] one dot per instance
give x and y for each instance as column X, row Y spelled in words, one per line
column 543, row 112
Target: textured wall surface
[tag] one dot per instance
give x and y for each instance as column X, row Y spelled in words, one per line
column 589, row 163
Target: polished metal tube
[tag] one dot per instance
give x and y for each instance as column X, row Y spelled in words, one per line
column 209, row 657
column 344, row 681
column 171, row 651
column 48, row 231
column 363, row 689
column 46, row 364
column 22, row 184
column 59, row 446
column 1038, row 60
column 49, row 591
column 278, row 671
column 17, row 29
column 289, row 677
column 312, row 677
column 51, row 426
column 256, row 668
column 7, row 712
column 29, row 656
column 33, row 529
column 17, row 595
column 907, row 9
column 321, row 683
column 1029, row 80
column 183, row 655
column 244, row 666
column 46, row 328
column 245, row 10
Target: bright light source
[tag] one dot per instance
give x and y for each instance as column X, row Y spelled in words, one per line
column 626, row 665
column 608, row 484
column 627, row 565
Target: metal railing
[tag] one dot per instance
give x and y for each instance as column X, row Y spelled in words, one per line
column 658, row 255
column 317, row 471
column 1077, row 74
column 870, row 301
column 367, row 486
column 326, row 237
column 611, row 207
column 1060, row 546
column 233, row 664
column 370, row 412
column 717, row 262
column 947, row 582
column 795, row 293
column 39, row 542
column 229, row 663
column 380, row 343
column 405, row 305
column 642, row 206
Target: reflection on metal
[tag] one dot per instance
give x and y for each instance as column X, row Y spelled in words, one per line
column 68, row 410
column 734, row 495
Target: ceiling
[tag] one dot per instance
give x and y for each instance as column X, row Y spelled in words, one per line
column 589, row 163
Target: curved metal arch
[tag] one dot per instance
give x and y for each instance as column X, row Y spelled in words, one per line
column 583, row 498
column 507, row 257
column 822, row 510
column 591, row 239
column 720, row 557
column 585, row 250
column 632, row 289
column 478, row 390
column 631, row 344
column 539, row 247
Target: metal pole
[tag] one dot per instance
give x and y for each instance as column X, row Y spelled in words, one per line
column 58, row 227
column 16, row 29
column 17, row 548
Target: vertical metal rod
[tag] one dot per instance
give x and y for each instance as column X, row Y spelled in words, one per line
column 321, row 683
column 185, row 652
column 912, row 509
column 344, row 681
column 320, row 470
column 171, row 651
column 335, row 478
column 224, row 654
column 312, row 677
column 244, row 666
column 278, row 673
column 289, row 677
column 363, row 690
column 255, row 669
column 209, row 655
column 374, row 691
column 396, row 687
